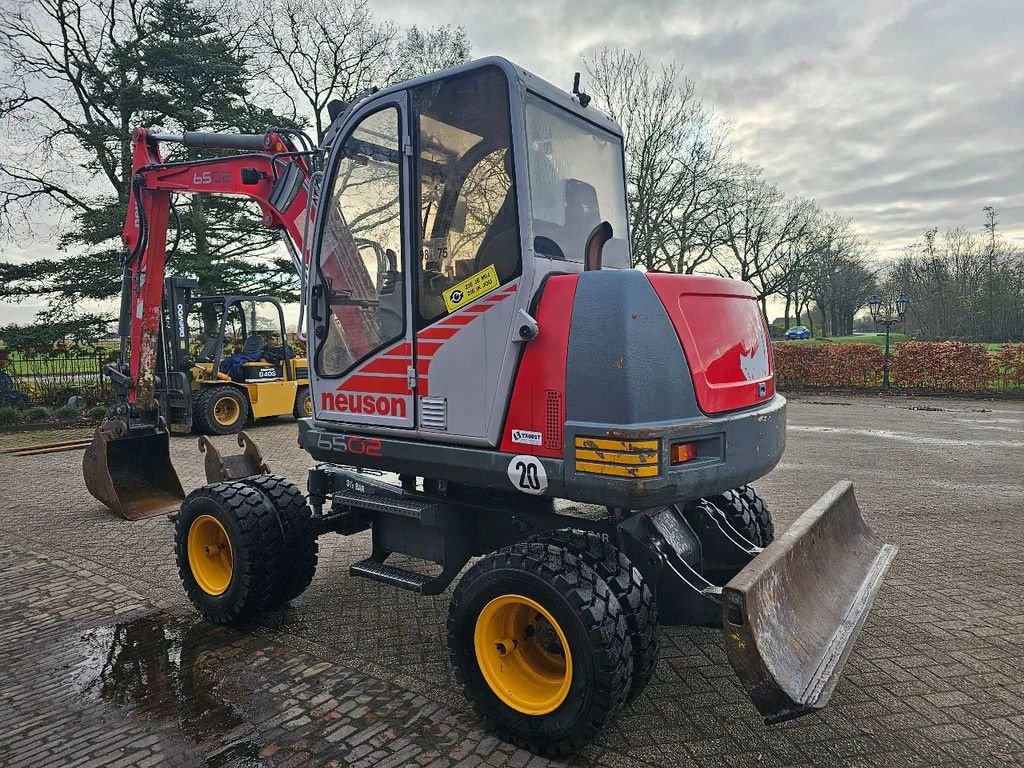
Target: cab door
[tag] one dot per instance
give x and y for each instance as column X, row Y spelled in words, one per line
column 361, row 344
column 470, row 258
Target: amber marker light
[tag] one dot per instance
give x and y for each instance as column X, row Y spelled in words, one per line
column 683, row 452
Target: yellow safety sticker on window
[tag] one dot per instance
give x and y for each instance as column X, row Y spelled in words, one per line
column 471, row 289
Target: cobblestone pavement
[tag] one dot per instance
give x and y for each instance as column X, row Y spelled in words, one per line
column 102, row 662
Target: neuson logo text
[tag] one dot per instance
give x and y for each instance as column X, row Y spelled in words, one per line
column 368, row 404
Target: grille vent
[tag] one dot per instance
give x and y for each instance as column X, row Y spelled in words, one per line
column 434, row 413
column 554, row 419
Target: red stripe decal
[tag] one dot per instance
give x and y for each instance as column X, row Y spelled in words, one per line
column 390, row 385
column 387, row 365
column 439, row 332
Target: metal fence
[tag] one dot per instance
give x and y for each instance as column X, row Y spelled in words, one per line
column 52, row 378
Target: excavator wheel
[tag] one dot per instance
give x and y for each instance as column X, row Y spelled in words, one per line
column 300, row 542
column 303, row 403
column 220, row 410
column 230, row 551
column 630, row 587
column 541, row 646
column 762, row 515
column 748, row 514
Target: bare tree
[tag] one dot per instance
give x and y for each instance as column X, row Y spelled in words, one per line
column 62, row 60
column 838, row 277
column 318, row 50
column 422, row 51
column 315, row 51
column 762, row 234
column 676, row 159
column 962, row 285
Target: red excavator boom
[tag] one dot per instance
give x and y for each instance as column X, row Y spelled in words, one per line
column 128, row 466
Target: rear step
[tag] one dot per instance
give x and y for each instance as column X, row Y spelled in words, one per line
column 391, row 574
column 423, row 511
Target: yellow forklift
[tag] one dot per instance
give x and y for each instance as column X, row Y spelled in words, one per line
column 228, row 360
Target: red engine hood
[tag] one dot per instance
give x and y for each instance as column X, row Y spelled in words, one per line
column 724, row 338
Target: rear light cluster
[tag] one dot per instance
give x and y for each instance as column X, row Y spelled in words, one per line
column 618, row 458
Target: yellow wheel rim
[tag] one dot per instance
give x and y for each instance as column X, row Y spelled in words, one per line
column 209, row 554
column 523, row 654
column 307, row 404
column 226, row 411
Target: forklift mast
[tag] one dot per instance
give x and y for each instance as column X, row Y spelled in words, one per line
column 178, row 302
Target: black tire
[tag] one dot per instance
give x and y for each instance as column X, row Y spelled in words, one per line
column 257, row 550
column 594, row 626
column 303, row 403
column 301, row 548
column 762, row 515
column 210, row 402
column 747, row 513
column 630, row 587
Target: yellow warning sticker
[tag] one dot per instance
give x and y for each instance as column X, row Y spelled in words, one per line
column 471, row 289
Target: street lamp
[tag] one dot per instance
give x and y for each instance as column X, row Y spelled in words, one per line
column 893, row 313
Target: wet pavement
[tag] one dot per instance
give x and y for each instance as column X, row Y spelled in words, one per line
column 102, row 661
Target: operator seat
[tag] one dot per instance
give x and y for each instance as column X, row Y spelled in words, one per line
column 500, row 246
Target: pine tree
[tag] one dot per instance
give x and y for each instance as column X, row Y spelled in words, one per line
column 165, row 64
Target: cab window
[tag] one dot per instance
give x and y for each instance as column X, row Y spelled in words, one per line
column 576, row 182
column 468, row 225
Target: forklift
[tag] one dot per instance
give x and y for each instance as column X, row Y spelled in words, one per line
column 228, row 360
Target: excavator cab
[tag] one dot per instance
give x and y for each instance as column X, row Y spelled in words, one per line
column 475, row 185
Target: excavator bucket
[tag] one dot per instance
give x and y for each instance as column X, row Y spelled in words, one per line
column 792, row 615
column 130, row 470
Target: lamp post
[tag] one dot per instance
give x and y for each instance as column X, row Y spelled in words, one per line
column 894, row 313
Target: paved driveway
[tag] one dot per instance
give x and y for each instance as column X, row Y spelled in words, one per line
column 102, row 662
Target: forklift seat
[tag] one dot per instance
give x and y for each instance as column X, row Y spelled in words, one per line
column 253, row 343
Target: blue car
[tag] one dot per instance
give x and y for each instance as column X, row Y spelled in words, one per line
column 798, row 332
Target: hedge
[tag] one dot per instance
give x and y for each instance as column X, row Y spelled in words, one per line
column 948, row 366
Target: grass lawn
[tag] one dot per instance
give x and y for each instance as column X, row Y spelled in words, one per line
column 879, row 340
column 18, row 365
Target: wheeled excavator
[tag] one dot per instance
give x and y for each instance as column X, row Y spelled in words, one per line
column 582, row 435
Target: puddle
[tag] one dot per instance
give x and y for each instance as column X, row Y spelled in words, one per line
column 161, row 668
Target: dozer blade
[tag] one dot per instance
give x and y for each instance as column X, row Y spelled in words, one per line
column 792, row 615
column 130, row 470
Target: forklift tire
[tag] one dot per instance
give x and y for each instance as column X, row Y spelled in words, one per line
column 303, row 403
column 230, row 551
column 747, row 513
column 296, row 520
column 220, row 410
column 629, row 586
column 540, row 646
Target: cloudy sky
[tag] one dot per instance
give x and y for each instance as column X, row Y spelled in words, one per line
column 901, row 114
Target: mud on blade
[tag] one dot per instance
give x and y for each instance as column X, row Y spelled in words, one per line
column 793, row 614
column 130, row 470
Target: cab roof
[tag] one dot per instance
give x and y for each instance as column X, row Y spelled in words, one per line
column 520, row 81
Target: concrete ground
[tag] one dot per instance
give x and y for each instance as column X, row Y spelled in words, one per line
column 102, row 661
